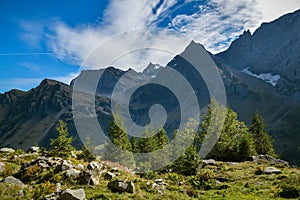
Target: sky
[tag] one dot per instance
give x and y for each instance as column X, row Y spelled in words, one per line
column 51, row 38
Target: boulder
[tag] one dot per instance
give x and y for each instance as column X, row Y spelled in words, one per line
column 130, row 187
column 160, row 189
column 94, row 166
column 74, row 173
column 65, row 165
column 34, row 149
column 117, row 186
column 14, row 181
column 72, row 194
column 259, row 159
column 271, row 170
column 109, row 175
column 209, row 162
column 88, row 178
column 7, row 150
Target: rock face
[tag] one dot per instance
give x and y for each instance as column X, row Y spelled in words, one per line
column 273, row 48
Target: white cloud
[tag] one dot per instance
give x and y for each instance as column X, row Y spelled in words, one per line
column 272, row 9
column 217, row 28
column 215, row 25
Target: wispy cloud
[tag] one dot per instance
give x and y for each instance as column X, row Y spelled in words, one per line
column 33, row 32
column 31, row 66
column 214, row 24
column 218, row 22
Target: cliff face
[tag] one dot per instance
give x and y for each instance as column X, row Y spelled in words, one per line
column 273, row 48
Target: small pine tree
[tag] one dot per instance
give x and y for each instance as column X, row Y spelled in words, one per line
column 62, row 145
column 262, row 140
column 118, row 148
column 189, row 161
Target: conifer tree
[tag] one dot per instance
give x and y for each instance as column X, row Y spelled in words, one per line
column 234, row 143
column 118, row 148
column 262, row 140
column 62, row 145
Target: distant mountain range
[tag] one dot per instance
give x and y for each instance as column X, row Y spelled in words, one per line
column 261, row 71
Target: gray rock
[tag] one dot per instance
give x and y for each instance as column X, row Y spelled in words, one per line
column 80, row 167
column 7, row 150
column 73, row 173
column 160, row 181
column 271, row 170
column 72, row 194
column 109, row 175
column 88, row 178
column 94, row 166
column 261, row 158
column 117, row 186
column 66, row 164
column 15, row 181
column 34, row 149
column 209, row 162
column 52, row 196
column 130, row 188
column 160, row 189
column 115, row 169
column 2, row 167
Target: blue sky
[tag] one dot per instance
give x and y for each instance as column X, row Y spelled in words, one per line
column 50, row 38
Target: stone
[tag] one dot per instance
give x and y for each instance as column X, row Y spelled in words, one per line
column 209, row 162
column 65, row 165
column 271, row 170
column 69, row 194
column 57, row 187
column 15, row 181
column 130, row 188
column 7, row 150
column 160, row 181
column 115, row 169
column 72, row 173
column 88, row 178
column 94, row 166
column 80, row 167
column 34, row 149
column 109, row 176
column 158, row 188
column 261, row 158
column 20, row 193
column 2, row 167
column 73, row 154
column 52, row 196
column 117, row 186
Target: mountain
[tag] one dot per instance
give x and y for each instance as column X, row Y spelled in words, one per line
column 271, row 51
column 273, row 48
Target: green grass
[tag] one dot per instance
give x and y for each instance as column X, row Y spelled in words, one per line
column 223, row 181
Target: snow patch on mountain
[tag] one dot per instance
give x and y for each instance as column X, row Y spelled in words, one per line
column 267, row 77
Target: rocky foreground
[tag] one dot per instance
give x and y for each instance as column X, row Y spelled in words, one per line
column 32, row 175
